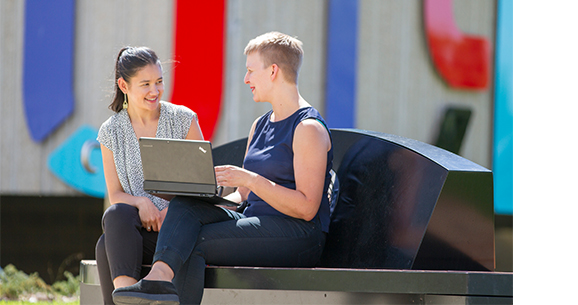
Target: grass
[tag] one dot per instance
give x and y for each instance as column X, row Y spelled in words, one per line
column 17, row 287
column 8, row 302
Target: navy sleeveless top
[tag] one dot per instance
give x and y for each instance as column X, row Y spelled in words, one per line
column 270, row 155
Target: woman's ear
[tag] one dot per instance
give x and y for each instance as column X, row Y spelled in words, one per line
column 274, row 71
column 123, row 85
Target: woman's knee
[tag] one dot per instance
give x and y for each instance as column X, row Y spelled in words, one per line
column 188, row 205
column 180, row 202
column 118, row 214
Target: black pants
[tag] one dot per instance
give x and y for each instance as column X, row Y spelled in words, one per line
column 196, row 233
column 123, row 247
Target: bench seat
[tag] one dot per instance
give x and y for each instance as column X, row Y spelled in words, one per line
column 242, row 285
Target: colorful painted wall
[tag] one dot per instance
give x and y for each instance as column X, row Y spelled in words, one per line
column 377, row 65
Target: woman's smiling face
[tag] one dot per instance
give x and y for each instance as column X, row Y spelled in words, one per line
column 257, row 77
column 146, row 88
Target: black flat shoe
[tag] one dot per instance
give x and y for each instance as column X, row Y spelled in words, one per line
column 147, row 292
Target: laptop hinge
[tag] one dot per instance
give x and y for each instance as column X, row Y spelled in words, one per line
column 180, row 187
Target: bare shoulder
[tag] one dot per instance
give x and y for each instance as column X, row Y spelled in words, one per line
column 312, row 131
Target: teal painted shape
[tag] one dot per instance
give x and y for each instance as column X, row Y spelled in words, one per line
column 503, row 148
column 78, row 162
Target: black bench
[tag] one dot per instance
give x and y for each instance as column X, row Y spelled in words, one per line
column 413, row 223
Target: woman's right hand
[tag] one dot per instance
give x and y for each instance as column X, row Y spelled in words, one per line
column 150, row 216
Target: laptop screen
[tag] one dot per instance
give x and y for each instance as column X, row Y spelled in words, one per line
column 184, row 161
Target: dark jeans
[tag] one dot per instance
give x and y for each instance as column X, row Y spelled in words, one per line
column 196, row 233
column 123, row 248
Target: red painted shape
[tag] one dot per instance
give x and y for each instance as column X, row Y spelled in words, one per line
column 199, row 55
column 462, row 60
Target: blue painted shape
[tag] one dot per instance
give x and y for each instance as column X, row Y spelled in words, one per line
column 48, row 65
column 503, row 149
column 65, row 162
column 341, row 63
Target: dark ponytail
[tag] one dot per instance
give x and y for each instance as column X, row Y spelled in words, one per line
column 128, row 62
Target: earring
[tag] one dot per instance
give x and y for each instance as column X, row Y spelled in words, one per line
column 125, row 103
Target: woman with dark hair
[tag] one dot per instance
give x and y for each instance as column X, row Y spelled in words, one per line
column 132, row 222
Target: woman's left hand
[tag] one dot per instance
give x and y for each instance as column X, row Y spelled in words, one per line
column 233, row 176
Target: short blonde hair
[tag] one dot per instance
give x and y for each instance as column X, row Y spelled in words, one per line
column 280, row 49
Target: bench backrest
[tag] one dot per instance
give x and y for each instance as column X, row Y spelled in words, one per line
column 402, row 204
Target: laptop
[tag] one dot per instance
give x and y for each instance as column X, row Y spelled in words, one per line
column 180, row 167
